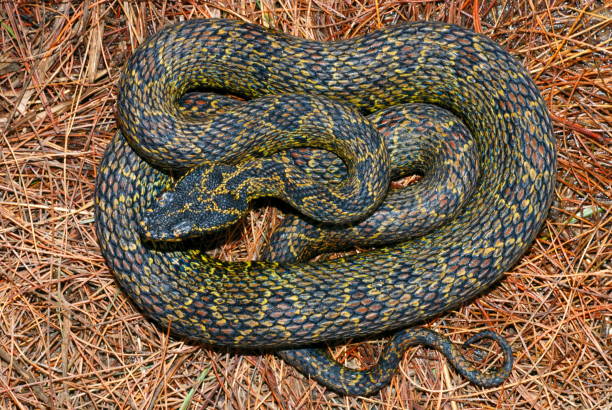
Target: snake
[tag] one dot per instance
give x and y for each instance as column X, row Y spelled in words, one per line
column 299, row 93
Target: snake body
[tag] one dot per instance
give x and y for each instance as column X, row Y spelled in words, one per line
column 280, row 305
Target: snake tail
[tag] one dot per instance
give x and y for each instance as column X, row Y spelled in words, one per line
column 319, row 365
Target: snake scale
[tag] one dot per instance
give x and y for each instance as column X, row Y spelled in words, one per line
column 303, row 93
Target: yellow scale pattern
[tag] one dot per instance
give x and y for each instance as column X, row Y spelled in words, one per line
column 289, row 83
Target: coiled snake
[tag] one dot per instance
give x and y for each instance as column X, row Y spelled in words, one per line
column 309, row 94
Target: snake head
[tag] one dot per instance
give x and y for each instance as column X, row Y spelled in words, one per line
column 200, row 203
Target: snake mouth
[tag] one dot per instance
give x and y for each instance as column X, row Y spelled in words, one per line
column 152, row 228
column 171, row 224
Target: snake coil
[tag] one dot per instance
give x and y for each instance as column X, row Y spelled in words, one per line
column 287, row 82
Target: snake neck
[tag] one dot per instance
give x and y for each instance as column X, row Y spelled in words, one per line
column 258, row 179
column 276, row 178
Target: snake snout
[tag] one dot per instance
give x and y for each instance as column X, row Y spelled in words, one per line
column 155, row 228
column 166, row 219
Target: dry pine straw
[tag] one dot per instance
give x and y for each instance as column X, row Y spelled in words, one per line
column 69, row 338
